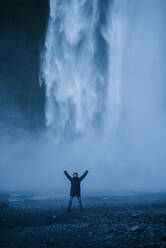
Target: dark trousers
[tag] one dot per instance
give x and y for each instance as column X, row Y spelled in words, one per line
column 79, row 201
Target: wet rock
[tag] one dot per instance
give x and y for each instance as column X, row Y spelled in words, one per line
column 134, row 215
column 114, row 229
column 107, row 238
column 117, row 228
column 103, row 226
column 131, row 237
column 31, row 225
column 136, row 228
column 44, row 243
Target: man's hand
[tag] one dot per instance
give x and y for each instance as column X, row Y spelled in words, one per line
column 64, row 169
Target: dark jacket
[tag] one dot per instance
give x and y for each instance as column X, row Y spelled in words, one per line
column 75, row 183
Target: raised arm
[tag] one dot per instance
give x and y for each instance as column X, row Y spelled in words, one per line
column 67, row 175
column 84, row 175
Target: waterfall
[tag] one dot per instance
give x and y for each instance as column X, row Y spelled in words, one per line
column 82, row 81
column 104, row 71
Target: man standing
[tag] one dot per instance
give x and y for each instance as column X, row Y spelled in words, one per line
column 75, row 188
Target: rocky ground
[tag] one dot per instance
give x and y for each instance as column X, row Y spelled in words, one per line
column 111, row 221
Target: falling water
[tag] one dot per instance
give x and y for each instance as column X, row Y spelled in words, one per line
column 81, row 86
column 103, row 68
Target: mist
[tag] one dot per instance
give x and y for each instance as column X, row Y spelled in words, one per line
column 104, row 77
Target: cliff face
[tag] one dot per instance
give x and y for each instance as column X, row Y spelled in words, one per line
column 22, row 29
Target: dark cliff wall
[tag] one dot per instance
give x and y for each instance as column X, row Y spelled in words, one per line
column 22, row 29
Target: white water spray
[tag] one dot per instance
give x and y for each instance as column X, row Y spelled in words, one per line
column 104, row 72
column 81, row 76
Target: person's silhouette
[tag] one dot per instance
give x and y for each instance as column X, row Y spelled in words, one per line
column 75, row 188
